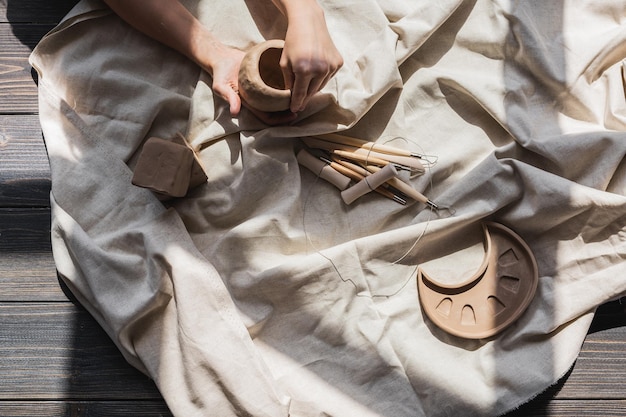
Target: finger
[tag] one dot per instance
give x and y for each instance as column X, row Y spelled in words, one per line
column 287, row 72
column 316, row 85
column 231, row 96
column 313, row 89
column 326, row 79
column 299, row 92
column 234, row 102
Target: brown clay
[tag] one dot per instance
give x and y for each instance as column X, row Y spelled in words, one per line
column 168, row 168
column 261, row 82
column 493, row 298
column 198, row 174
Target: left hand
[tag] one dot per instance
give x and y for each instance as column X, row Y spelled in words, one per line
column 224, row 69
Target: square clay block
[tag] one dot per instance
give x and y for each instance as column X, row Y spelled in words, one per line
column 198, row 175
column 164, row 167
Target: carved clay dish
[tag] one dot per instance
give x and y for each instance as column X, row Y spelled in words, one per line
column 490, row 300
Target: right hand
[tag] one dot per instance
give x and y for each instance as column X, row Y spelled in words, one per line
column 309, row 58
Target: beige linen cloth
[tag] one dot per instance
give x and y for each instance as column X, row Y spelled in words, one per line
column 261, row 293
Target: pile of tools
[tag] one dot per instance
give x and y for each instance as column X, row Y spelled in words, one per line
column 357, row 167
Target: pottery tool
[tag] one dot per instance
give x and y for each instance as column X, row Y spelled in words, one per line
column 354, row 167
column 406, row 189
column 323, row 170
column 359, row 176
column 369, row 183
column 362, row 154
column 364, row 144
column 367, row 159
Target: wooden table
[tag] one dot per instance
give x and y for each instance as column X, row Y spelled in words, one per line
column 54, row 358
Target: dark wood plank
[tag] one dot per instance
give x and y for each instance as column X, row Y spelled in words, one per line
column 572, row 408
column 34, row 11
column 26, row 277
column 24, row 230
column 158, row 409
column 18, row 91
column 600, row 370
column 84, row 409
column 19, row 39
column 27, row 270
column 53, row 351
column 56, row 350
column 24, row 167
column 609, row 315
column 596, row 378
column 22, row 149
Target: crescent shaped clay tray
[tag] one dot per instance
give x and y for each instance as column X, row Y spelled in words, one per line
column 493, row 298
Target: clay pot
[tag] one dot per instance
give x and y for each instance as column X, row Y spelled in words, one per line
column 261, row 82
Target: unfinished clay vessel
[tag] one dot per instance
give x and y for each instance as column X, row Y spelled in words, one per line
column 261, row 82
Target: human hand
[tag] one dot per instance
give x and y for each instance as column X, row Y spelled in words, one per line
column 309, row 57
column 225, row 72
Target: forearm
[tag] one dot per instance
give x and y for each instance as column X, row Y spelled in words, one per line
column 309, row 58
column 295, row 8
column 170, row 23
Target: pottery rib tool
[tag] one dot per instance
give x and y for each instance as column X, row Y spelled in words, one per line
column 369, row 183
column 322, row 170
column 406, row 189
column 359, row 176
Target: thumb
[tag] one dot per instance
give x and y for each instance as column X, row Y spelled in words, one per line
column 231, row 96
column 234, row 102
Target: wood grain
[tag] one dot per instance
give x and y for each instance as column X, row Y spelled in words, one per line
column 22, row 148
column 565, row 408
column 600, row 370
column 24, row 167
column 52, row 351
column 18, row 91
column 84, row 409
column 24, row 230
column 29, row 11
column 27, row 277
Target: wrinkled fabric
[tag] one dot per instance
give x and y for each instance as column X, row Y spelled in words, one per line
column 261, row 293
